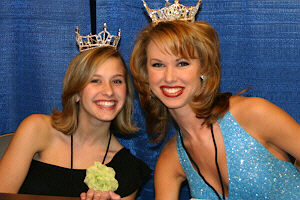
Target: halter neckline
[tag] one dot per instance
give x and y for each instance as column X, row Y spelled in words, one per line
column 106, row 152
column 216, row 161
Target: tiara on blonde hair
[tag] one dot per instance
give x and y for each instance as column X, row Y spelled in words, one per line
column 104, row 38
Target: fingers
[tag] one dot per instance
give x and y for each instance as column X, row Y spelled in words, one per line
column 98, row 195
column 83, row 196
column 90, row 194
column 114, row 196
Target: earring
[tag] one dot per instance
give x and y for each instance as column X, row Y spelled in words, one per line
column 77, row 99
column 202, row 77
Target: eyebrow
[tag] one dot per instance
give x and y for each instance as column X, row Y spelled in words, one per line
column 178, row 59
column 155, row 59
column 119, row 75
column 116, row 75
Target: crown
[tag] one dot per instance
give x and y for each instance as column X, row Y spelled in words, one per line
column 104, row 38
column 172, row 12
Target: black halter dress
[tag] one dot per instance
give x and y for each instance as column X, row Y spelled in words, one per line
column 47, row 179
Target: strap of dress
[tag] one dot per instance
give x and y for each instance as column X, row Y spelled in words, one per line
column 107, row 148
column 106, row 152
column 71, row 151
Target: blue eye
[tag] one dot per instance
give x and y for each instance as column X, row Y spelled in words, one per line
column 157, row 65
column 183, row 63
column 95, row 81
column 118, row 81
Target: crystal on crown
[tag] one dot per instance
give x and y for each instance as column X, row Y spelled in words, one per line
column 172, row 12
column 104, row 38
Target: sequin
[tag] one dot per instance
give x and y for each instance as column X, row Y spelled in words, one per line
column 254, row 173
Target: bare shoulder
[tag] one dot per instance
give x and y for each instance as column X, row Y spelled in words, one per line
column 251, row 113
column 31, row 138
column 252, row 108
column 36, row 127
column 269, row 124
column 249, row 103
column 36, row 121
column 168, row 174
column 169, row 150
column 171, row 144
column 261, row 118
column 168, row 159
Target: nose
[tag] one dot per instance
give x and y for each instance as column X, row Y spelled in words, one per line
column 170, row 74
column 107, row 89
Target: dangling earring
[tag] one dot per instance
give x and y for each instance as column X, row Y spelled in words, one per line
column 77, row 98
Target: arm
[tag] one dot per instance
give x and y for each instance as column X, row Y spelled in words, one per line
column 16, row 160
column 270, row 125
column 282, row 130
column 168, row 174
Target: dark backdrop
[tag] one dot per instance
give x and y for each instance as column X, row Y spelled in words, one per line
column 260, row 47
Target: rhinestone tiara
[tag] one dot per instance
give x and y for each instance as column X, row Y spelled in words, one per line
column 104, row 38
column 173, row 12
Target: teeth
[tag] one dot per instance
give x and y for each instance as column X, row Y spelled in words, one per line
column 172, row 90
column 106, row 103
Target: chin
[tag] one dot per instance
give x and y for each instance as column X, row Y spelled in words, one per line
column 173, row 105
column 106, row 119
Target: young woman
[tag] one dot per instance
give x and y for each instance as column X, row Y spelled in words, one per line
column 227, row 146
column 49, row 155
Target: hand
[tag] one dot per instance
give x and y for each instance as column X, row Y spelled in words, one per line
column 99, row 195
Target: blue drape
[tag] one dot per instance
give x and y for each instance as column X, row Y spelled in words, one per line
column 260, row 48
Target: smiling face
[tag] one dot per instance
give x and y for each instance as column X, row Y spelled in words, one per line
column 104, row 96
column 173, row 79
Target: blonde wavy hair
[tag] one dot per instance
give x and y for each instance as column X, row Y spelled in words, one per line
column 78, row 75
column 189, row 40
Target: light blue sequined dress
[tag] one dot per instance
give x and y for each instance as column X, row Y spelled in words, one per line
column 254, row 173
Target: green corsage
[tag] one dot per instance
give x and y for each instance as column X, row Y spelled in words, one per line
column 101, row 177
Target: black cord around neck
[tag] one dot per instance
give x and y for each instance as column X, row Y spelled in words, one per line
column 106, row 152
column 107, row 148
column 216, row 161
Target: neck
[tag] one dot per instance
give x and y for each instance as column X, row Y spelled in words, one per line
column 92, row 135
column 92, row 131
column 187, row 121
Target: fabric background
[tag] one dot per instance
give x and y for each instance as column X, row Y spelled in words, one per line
column 260, row 48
